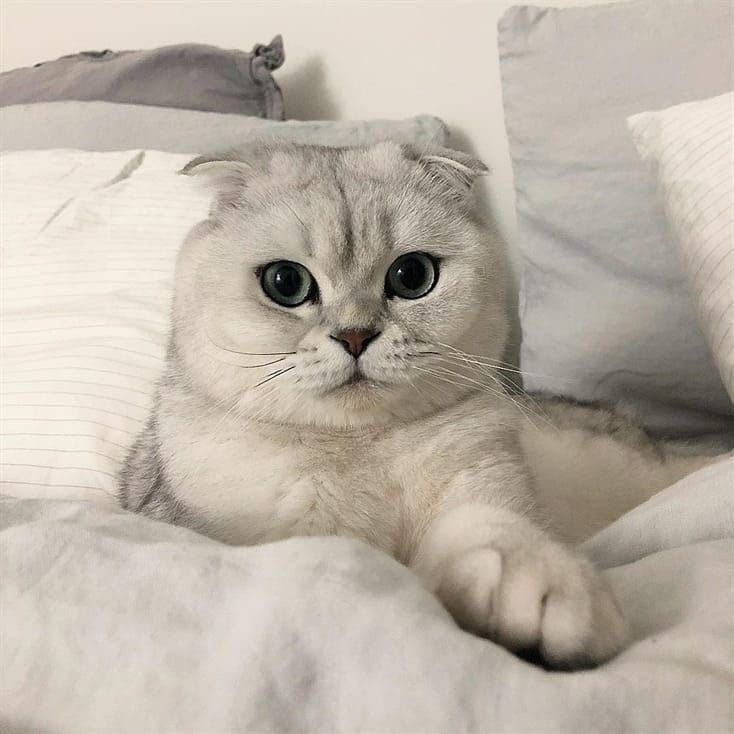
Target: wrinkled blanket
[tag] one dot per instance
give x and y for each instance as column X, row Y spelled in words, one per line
column 115, row 623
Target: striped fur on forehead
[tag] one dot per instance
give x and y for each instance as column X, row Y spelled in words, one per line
column 361, row 223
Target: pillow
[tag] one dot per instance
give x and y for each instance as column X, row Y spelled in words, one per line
column 108, row 126
column 189, row 76
column 691, row 147
column 605, row 308
column 88, row 253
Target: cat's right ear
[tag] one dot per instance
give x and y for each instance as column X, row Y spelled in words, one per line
column 227, row 176
column 454, row 170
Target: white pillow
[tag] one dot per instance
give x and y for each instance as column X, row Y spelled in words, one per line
column 692, row 149
column 89, row 242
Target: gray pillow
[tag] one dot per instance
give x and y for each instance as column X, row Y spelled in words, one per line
column 189, row 76
column 605, row 308
column 108, row 126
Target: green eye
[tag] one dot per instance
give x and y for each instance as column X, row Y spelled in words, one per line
column 288, row 283
column 411, row 276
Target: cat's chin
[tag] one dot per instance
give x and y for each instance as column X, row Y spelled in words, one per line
column 358, row 390
column 357, row 401
column 362, row 402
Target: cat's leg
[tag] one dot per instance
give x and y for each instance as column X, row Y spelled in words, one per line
column 503, row 577
column 591, row 463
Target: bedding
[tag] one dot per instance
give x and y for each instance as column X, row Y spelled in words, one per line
column 106, row 126
column 113, row 622
column 691, row 147
column 191, row 76
column 605, row 309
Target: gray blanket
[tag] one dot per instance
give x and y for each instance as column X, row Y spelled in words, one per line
column 114, row 623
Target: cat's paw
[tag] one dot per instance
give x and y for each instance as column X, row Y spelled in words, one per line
column 503, row 577
column 534, row 597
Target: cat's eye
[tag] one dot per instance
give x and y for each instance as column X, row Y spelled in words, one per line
column 288, row 283
column 411, row 276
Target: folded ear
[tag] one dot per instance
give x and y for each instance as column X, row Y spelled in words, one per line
column 225, row 173
column 455, row 170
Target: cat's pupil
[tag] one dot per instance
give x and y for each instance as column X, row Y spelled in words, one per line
column 411, row 273
column 287, row 281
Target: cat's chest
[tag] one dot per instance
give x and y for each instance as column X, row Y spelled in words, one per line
column 254, row 488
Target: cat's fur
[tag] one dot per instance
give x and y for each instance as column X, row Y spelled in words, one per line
column 260, row 433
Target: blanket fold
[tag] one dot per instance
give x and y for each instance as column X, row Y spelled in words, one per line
column 113, row 622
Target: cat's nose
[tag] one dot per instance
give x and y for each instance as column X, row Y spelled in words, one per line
column 355, row 341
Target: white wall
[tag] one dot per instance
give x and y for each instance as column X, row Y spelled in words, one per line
column 346, row 59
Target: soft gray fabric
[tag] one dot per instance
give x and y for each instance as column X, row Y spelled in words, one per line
column 605, row 307
column 112, row 622
column 106, row 126
column 190, row 76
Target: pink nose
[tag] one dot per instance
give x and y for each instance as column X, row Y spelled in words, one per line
column 355, row 341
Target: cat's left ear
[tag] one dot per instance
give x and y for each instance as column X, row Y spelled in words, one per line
column 457, row 171
column 228, row 176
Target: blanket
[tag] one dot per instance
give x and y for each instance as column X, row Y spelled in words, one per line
column 111, row 622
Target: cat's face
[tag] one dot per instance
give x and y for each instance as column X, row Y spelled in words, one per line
column 330, row 287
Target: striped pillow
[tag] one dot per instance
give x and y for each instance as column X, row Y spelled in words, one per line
column 89, row 242
column 691, row 147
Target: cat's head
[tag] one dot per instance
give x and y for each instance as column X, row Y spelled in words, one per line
column 334, row 287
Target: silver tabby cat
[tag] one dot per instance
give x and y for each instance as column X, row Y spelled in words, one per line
column 333, row 365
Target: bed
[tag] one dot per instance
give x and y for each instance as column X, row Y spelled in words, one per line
column 110, row 621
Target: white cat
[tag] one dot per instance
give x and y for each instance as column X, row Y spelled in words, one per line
column 333, row 369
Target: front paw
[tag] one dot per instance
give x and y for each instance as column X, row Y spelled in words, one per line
column 527, row 592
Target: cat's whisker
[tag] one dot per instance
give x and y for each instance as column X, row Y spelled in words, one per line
column 499, row 393
column 251, row 366
column 247, row 354
column 247, row 366
column 461, row 352
column 499, row 368
column 275, row 375
column 469, row 363
column 498, row 364
column 483, row 370
column 447, row 374
column 255, row 366
column 473, row 365
column 442, row 378
column 488, row 369
column 526, row 405
column 486, row 361
column 472, row 359
column 465, row 377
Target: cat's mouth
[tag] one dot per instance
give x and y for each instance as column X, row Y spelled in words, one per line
column 358, row 381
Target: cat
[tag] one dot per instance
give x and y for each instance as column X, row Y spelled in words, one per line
column 337, row 331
